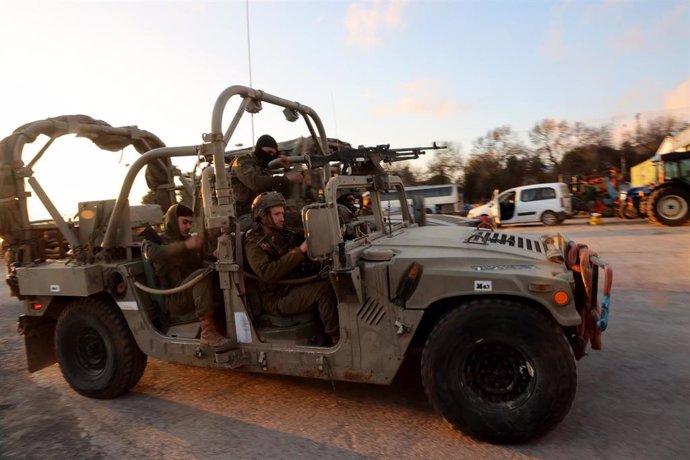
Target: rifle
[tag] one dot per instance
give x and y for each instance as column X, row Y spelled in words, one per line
column 367, row 159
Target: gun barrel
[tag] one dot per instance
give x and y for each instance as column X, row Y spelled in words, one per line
column 375, row 154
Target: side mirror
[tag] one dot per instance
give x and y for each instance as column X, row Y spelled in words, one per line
column 320, row 230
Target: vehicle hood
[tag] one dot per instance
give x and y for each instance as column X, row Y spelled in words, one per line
column 443, row 242
column 461, row 261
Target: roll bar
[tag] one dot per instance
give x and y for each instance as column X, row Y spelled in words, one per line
column 217, row 140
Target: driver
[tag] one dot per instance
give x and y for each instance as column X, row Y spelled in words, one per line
column 250, row 176
column 273, row 254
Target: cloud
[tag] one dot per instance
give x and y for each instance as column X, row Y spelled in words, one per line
column 632, row 39
column 367, row 23
column 425, row 97
column 554, row 47
column 677, row 101
column 668, row 26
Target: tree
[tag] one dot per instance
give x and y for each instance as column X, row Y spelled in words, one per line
column 407, row 174
column 552, row 139
column 502, row 143
column 500, row 161
column 482, row 174
column 646, row 138
column 587, row 159
column 446, row 166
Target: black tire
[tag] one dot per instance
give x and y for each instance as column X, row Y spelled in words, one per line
column 669, row 206
column 97, row 353
column 629, row 211
column 549, row 218
column 618, row 212
column 499, row 371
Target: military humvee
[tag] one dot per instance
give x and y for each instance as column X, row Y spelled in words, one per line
column 500, row 318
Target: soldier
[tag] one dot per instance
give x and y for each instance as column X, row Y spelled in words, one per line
column 273, row 254
column 178, row 260
column 347, row 210
column 250, row 176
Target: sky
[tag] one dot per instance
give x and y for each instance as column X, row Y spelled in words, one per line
column 405, row 73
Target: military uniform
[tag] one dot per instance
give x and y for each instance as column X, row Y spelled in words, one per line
column 249, row 179
column 174, row 265
column 277, row 257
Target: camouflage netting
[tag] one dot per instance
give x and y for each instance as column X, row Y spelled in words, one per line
column 99, row 132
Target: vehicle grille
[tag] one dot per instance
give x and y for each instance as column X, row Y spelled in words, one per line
column 371, row 312
column 485, row 237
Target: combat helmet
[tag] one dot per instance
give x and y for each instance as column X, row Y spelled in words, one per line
column 264, row 202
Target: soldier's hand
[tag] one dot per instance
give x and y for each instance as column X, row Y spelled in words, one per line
column 303, row 247
column 284, row 162
column 193, row 242
column 295, row 177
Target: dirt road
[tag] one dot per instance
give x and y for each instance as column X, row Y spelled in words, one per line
column 633, row 397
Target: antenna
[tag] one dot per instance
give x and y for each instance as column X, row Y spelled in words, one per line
column 249, row 58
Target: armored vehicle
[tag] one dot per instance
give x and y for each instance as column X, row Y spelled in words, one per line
column 500, row 318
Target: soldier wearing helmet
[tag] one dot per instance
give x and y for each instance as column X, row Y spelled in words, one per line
column 274, row 253
column 250, row 176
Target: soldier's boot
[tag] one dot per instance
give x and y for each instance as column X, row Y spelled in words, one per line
column 210, row 337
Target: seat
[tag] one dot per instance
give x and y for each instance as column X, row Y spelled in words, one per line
column 301, row 329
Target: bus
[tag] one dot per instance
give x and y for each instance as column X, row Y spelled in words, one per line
column 438, row 199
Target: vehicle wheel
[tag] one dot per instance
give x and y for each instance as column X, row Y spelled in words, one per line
column 97, row 353
column 629, row 211
column 549, row 218
column 618, row 212
column 669, row 206
column 499, row 371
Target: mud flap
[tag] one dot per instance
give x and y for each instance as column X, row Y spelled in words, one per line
column 39, row 342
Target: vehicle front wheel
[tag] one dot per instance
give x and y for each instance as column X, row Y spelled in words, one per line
column 97, row 353
column 629, row 211
column 549, row 218
column 499, row 371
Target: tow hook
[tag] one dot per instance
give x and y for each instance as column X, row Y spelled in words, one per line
column 262, row 361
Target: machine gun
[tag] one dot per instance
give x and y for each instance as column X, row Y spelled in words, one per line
column 365, row 160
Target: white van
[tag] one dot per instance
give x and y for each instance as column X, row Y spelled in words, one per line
column 549, row 204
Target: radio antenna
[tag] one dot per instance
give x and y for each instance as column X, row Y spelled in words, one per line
column 249, row 58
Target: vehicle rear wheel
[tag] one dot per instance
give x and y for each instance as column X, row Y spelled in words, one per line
column 97, row 353
column 549, row 218
column 499, row 371
column 669, row 206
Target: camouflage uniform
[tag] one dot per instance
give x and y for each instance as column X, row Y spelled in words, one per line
column 174, row 265
column 249, row 179
column 277, row 258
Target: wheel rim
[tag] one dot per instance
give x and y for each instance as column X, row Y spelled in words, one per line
column 90, row 351
column 499, row 374
column 549, row 219
column 672, row 207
